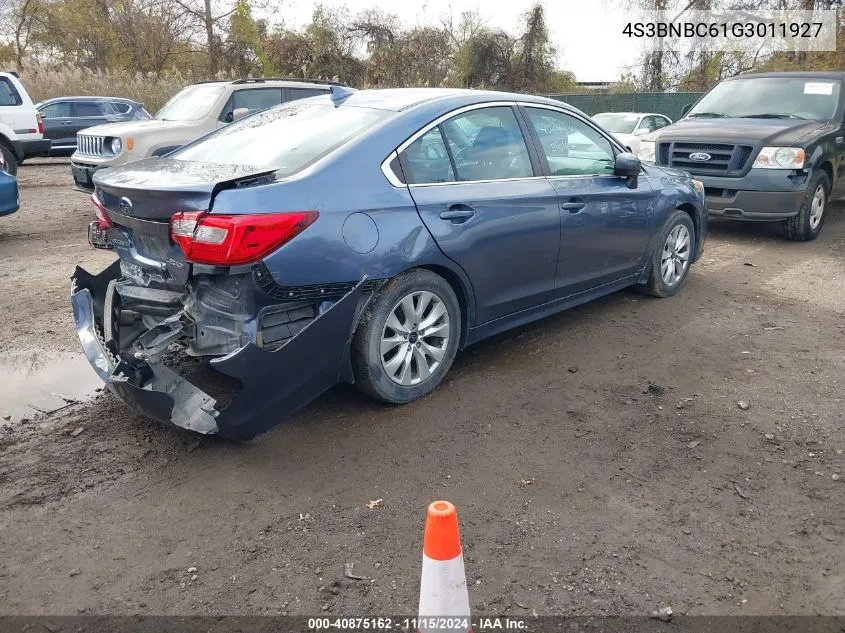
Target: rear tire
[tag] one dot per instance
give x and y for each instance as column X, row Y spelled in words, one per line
column 672, row 256
column 407, row 338
column 10, row 160
column 808, row 223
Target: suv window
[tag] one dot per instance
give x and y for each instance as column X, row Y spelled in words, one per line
column 56, row 110
column 8, row 93
column 487, row 144
column 253, row 99
column 426, row 160
column 86, row 109
column 303, row 93
column 571, row 147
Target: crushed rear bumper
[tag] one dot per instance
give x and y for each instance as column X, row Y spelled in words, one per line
column 275, row 383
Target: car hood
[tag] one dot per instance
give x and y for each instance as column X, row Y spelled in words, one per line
column 762, row 131
column 623, row 138
column 137, row 128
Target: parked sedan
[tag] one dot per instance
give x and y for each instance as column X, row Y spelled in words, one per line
column 9, row 200
column 65, row 116
column 366, row 237
column 629, row 127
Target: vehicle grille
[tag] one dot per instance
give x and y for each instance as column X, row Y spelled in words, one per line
column 725, row 159
column 89, row 145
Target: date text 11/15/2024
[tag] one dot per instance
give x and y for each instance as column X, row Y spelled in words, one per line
column 477, row 625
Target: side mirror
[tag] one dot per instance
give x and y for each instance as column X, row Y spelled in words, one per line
column 627, row 166
column 239, row 113
column 686, row 109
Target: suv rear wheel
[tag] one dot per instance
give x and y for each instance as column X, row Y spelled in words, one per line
column 806, row 225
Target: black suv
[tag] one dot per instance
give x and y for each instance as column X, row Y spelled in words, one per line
column 767, row 146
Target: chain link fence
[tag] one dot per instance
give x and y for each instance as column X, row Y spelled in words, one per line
column 666, row 103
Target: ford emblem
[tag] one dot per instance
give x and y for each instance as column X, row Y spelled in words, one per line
column 700, row 157
column 125, row 205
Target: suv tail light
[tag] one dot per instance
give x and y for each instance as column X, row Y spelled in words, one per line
column 103, row 220
column 40, row 120
column 230, row 240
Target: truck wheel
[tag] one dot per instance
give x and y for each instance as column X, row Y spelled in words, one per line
column 806, row 225
column 9, row 159
column 672, row 257
column 407, row 338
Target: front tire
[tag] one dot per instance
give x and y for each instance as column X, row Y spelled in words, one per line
column 808, row 223
column 672, row 257
column 407, row 338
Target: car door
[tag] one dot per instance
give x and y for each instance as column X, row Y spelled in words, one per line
column 478, row 190
column 57, row 124
column 605, row 226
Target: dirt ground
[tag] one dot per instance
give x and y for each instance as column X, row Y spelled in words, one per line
column 579, row 489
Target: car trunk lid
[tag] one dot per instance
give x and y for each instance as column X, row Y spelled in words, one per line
column 140, row 199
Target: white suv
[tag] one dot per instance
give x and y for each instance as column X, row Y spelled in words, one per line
column 21, row 127
column 194, row 112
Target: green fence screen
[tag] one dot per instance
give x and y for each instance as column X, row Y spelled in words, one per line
column 667, row 103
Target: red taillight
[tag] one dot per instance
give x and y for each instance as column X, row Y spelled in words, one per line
column 229, row 240
column 40, row 123
column 103, row 220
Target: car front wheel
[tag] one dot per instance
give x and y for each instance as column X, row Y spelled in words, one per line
column 672, row 257
column 806, row 225
column 407, row 337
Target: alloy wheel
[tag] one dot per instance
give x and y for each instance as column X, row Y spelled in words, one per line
column 415, row 338
column 674, row 260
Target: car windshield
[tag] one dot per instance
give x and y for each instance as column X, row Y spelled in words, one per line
column 617, row 123
column 287, row 138
column 771, row 97
column 190, row 104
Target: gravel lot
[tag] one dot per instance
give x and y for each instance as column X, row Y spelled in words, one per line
column 580, row 489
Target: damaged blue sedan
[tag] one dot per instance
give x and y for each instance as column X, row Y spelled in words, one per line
column 364, row 237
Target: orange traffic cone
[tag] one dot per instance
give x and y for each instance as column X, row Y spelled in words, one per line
column 444, row 600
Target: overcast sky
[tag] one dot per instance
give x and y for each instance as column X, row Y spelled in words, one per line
column 588, row 35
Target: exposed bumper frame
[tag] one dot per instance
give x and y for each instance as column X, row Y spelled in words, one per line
column 276, row 383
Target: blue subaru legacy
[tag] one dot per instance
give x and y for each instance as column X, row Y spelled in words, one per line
column 365, row 237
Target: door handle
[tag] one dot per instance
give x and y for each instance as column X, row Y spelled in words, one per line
column 573, row 205
column 67, row 122
column 457, row 215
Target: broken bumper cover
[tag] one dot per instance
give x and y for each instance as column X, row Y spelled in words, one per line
column 276, row 383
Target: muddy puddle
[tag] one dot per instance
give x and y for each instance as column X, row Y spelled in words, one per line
column 36, row 382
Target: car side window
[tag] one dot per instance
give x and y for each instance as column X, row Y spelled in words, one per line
column 571, row 147
column 8, row 93
column 120, row 108
column 426, row 160
column 57, row 110
column 660, row 122
column 255, row 100
column 292, row 94
column 487, row 144
column 646, row 123
column 86, row 109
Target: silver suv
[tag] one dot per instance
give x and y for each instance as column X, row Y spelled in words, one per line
column 194, row 111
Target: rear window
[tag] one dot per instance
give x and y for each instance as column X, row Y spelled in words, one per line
column 287, row 138
column 8, row 93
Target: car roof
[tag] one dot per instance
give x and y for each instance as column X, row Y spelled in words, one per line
column 291, row 82
column 815, row 74
column 398, row 99
column 90, row 98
